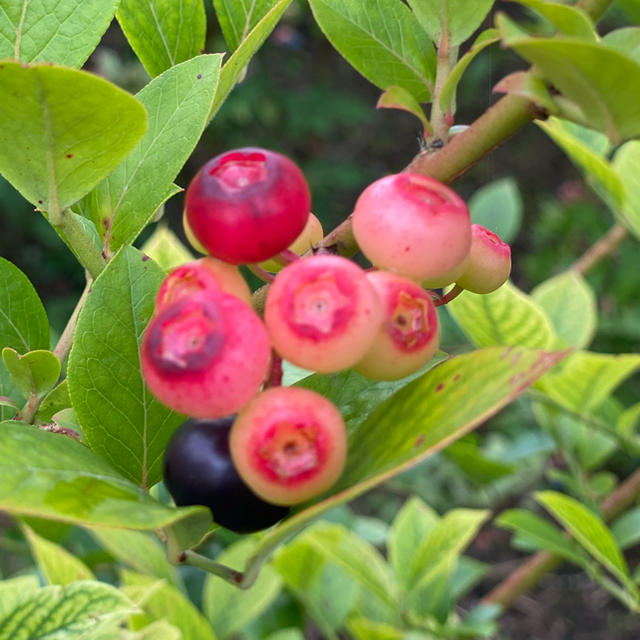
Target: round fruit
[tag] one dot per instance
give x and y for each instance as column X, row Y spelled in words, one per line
column 198, row 470
column 322, row 313
column 247, row 205
column 205, row 355
column 289, row 444
column 202, row 275
column 413, row 225
column 409, row 336
column 489, row 263
column 310, row 236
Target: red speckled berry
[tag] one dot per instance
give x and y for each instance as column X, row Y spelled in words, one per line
column 489, row 263
column 413, row 225
column 289, row 444
column 247, row 205
column 201, row 275
column 409, row 335
column 205, row 355
column 322, row 313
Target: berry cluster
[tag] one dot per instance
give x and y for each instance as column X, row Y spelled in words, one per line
column 249, row 452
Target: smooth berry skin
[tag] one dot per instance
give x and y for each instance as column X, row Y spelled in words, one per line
column 289, row 444
column 489, row 263
column 247, row 205
column 413, row 225
column 322, row 313
column 205, row 355
column 409, row 336
column 198, row 470
column 202, row 275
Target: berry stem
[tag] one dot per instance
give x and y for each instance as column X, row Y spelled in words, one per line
column 232, row 576
column 275, row 372
column 261, row 273
column 286, row 257
column 454, row 293
column 601, row 249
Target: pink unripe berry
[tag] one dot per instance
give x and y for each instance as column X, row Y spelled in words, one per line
column 409, row 335
column 413, row 225
column 322, row 313
column 489, row 263
column 205, row 355
column 289, row 444
column 247, row 205
column 202, row 275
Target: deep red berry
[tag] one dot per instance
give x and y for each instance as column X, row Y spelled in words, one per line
column 289, row 444
column 205, row 355
column 247, row 205
column 198, row 470
column 322, row 313
column 409, row 335
column 413, row 225
column 489, row 263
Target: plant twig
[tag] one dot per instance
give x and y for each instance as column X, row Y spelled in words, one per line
column 448, row 297
column 604, row 247
column 226, row 573
column 65, row 342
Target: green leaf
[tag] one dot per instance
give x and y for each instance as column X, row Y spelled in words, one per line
column 74, row 611
column 54, row 477
column 56, row 563
column 164, row 602
column 410, row 526
column 529, row 86
column 470, row 458
column 460, row 18
column 381, row 40
column 14, row 590
column 399, row 98
column 601, row 81
column 36, row 372
column 626, row 529
column 121, row 419
column 498, row 207
column 625, row 163
column 625, row 40
column 164, row 248
column 62, row 131
column 55, row 401
column 448, row 92
column 238, row 62
column 505, row 317
column 163, row 33
column 568, row 20
column 59, row 31
column 538, row 534
column 238, row 18
column 588, row 529
column 229, row 609
column 178, row 102
column 159, row 630
column 571, row 306
column 364, row 629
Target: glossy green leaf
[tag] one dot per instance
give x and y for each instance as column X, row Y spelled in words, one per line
column 626, row 529
column 459, row 18
column 625, row 40
column 505, row 317
column 531, row 87
column 236, row 64
column 238, row 17
column 588, row 529
column 159, row 630
column 13, row 590
column 56, row 563
column 12, row 398
column 163, row 33
column 164, row 248
column 571, row 306
column 538, row 534
column 583, row 381
column 72, row 612
column 164, row 602
column 59, row 31
column 601, row 81
column 470, row 458
column 448, row 92
column 229, row 609
column 62, row 131
column 56, row 400
column 121, row 419
column 625, row 163
column 568, row 20
column 51, row 476
column 35, row 372
column 381, row 40
column 399, row 98
column 498, row 207
column 178, row 102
